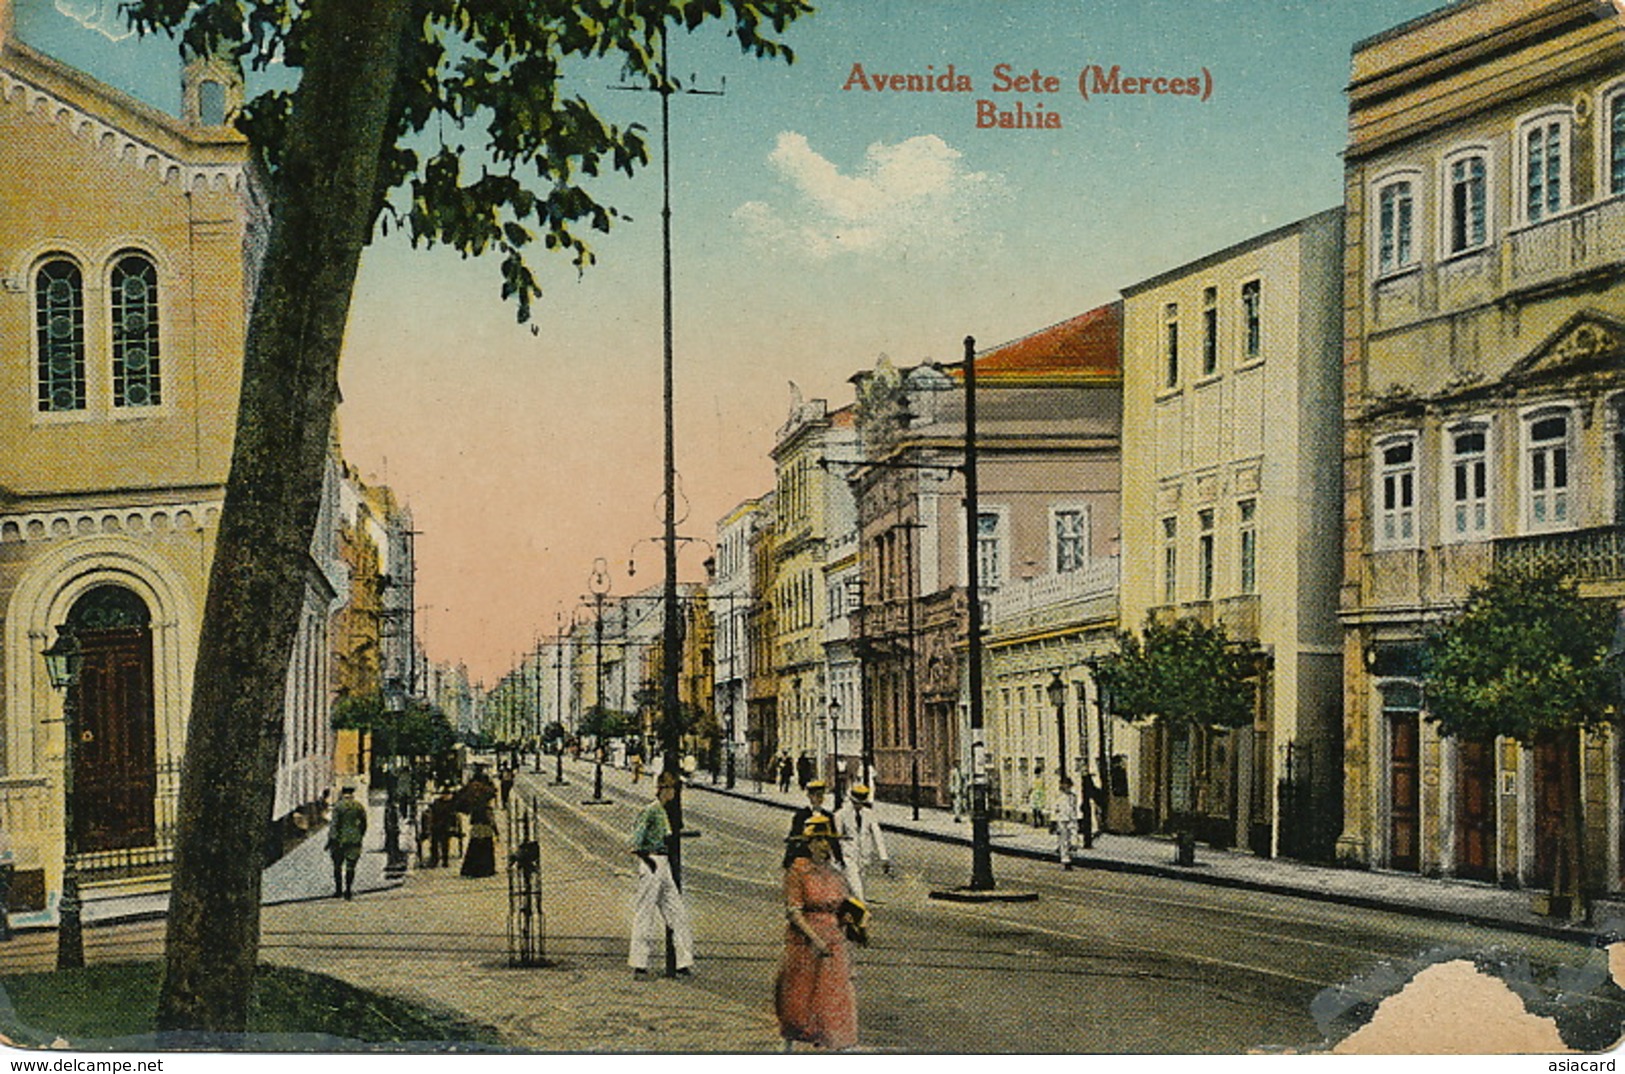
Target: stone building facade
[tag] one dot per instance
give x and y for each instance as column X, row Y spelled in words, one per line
column 1484, row 405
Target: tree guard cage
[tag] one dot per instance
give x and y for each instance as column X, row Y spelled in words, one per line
column 527, row 924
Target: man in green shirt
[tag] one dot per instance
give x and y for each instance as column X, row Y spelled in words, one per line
column 658, row 904
column 345, row 833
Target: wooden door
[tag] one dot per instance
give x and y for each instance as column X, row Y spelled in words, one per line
column 115, row 769
column 1404, row 793
column 1475, row 810
column 1548, row 809
column 115, row 763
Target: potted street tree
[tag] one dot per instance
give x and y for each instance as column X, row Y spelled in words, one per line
column 1194, row 679
column 1529, row 658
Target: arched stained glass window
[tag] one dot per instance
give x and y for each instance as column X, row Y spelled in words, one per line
column 135, row 333
column 59, row 320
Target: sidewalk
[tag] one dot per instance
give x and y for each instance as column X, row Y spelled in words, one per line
column 1406, row 893
column 441, row 939
column 305, row 872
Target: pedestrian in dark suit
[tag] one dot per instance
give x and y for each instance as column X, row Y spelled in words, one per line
column 796, row 847
column 442, row 825
column 345, row 834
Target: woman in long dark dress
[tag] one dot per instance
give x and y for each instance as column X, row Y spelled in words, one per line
column 813, row 996
column 475, row 799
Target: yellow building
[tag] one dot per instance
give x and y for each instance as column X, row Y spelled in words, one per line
column 125, row 239
column 1485, row 403
column 811, row 501
column 129, row 241
column 1231, row 507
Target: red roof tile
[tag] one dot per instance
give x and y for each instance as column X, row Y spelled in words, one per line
column 1088, row 344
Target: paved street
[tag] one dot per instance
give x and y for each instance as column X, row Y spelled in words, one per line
column 1103, row 961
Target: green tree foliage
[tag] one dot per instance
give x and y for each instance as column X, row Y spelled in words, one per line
column 1182, row 672
column 1527, row 658
column 446, row 116
column 505, row 167
column 358, row 712
column 605, row 723
column 418, row 730
column 422, row 731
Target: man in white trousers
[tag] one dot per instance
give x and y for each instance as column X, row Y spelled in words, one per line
column 1066, row 822
column 658, row 905
column 857, row 821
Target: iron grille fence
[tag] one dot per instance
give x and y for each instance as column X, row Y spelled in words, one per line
column 154, row 860
column 1596, row 554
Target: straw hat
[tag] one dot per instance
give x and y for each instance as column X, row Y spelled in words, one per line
column 817, row 827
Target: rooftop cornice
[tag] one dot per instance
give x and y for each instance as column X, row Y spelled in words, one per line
column 127, row 129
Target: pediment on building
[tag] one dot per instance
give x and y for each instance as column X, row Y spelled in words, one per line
column 1586, row 341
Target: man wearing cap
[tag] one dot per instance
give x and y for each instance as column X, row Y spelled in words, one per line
column 658, row 904
column 345, row 833
column 1066, row 822
column 794, row 846
column 858, row 820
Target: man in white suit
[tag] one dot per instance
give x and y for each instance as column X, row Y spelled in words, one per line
column 857, row 821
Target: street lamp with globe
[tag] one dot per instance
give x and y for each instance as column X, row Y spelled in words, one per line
column 63, row 663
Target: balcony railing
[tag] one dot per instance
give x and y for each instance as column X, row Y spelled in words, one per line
column 1592, row 555
column 1032, row 596
column 1571, row 243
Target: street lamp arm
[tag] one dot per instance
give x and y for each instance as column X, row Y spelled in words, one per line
column 632, row 553
column 884, row 464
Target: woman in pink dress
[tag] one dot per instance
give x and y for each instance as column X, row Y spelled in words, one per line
column 813, row 996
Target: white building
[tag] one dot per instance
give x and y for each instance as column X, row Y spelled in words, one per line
column 1232, row 494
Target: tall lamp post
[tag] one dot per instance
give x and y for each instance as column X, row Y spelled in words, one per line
column 1103, row 707
column 981, row 879
column 598, row 583
column 835, row 745
column 63, row 662
column 1057, row 699
column 912, row 681
column 866, row 746
column 558, row 692
column 536, row 740
column 981, row 887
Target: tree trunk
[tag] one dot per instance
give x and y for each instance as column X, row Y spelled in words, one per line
column 324, row 202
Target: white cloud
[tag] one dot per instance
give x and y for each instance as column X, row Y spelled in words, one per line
column 909, row 199
column 103, row 16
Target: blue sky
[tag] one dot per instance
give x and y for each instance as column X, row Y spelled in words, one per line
column 815, row 228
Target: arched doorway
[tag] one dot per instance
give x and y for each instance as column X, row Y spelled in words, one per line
column 115, row 764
